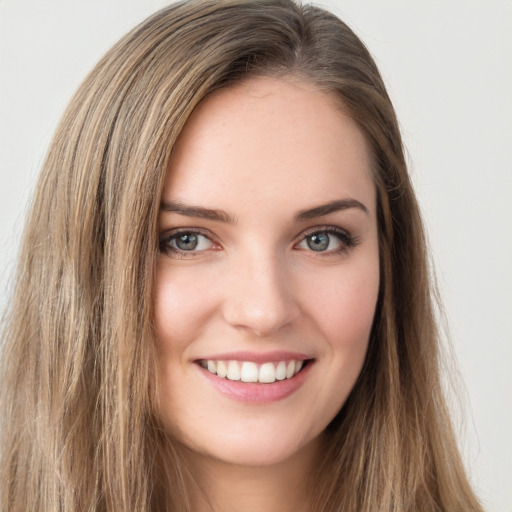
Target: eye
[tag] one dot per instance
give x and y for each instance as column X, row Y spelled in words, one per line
column 329, row 240
column 185, row 243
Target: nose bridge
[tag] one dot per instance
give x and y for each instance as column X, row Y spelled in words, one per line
column 260, row 297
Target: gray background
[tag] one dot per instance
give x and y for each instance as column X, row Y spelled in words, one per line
column 448, row 66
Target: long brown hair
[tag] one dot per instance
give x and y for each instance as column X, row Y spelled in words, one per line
column 78, row 386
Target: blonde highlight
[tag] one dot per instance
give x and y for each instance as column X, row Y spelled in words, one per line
column 78, row 383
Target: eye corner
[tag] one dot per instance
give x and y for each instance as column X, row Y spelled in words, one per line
column 325, row 241
column 174, row 243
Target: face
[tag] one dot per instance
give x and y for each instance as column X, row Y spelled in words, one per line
column 268, row 273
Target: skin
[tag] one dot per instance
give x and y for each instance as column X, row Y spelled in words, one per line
column 262, row 151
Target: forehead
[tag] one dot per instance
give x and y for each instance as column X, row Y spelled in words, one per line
column 269, row 140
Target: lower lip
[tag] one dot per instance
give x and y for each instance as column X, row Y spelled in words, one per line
column 257, row 393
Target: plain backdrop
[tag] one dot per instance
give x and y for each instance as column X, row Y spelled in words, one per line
column 448, row 67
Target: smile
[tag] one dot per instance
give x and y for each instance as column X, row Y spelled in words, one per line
column 249, row 371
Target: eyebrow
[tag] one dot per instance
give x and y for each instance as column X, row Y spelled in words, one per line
column 222, row 216
column 331, row 207
column 196, row 211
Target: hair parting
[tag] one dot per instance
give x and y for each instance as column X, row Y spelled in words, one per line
column 79, row 395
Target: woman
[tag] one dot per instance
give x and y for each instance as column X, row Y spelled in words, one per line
column 223, row 298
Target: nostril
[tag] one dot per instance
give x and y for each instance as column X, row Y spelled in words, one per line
column 263, row 320
column 259, row 297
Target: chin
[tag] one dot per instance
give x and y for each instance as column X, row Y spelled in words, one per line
column 264, row 449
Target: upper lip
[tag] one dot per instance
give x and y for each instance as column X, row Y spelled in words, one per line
column 257, row 357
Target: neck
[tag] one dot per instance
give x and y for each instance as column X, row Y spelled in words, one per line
column 280, row 487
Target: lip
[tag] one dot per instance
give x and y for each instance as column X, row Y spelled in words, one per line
column 254, row 392
column 256, row 357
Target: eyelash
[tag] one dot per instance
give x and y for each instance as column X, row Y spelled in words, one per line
column 347, row 241
column 175, row 252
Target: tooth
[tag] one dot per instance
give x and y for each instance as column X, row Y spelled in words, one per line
column 249, row 372
column 222, row 369
column 290, row 369
column 212, row 367
column 267, row 373
column 233, row 371
column 281, row 371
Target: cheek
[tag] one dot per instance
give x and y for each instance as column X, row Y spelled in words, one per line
column 183, row 304
column 182, row 307
column 343, row 305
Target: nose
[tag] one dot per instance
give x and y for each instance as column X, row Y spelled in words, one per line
column 260, row 298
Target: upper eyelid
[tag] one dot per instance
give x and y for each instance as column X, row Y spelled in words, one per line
column 321, row 229
column 327, row 227
column 200, row 231
column 165, row 242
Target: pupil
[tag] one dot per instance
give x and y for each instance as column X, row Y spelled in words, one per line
column 187, row 242
column 318, row 242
